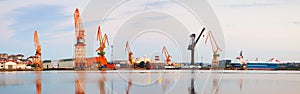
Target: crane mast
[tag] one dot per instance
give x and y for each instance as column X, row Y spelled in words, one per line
column 215, row 48
column 38, row 53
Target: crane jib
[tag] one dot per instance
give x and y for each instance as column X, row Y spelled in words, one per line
column 199, row 36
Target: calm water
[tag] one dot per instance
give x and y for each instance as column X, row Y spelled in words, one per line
column 151, row 82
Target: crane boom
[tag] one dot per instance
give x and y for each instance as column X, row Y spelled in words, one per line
column 200, row 35
column 77, row 20
column 102, row 40
column 37, row 43
column 214, row 46
column 127, row 47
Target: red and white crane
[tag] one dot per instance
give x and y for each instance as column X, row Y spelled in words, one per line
column 167, row 56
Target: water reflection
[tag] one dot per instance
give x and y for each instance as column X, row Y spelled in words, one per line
column 109, row 82
column 163, row 82
column 129, row 86
column 241, row 84
column 102, row 82
column 215, row 86
column 38, row 83
column 192, row 88
column 216, row 79
column 80, row 83
column 165, row 85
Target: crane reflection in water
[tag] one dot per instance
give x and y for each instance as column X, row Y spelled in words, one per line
column 80, row 83
column 192, row 88
column 38, row 82
column 68, row 82
column 102, row 82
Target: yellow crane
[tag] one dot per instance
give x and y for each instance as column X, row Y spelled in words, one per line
column 215, row 48
column 37, row 60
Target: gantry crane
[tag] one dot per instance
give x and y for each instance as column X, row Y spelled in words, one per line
column 130, row 55
column 167, row 55
column 193, row 44
column 215, row 48
column 38, row 53
column 102, row 44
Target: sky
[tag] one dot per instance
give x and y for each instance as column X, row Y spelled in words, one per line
column 261, row 28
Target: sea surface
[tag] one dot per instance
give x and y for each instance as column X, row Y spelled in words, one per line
column 150, row 82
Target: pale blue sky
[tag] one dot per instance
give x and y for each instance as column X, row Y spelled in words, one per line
column 262, row 28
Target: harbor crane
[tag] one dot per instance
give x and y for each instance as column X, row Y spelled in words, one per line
column 102, row 44
column 215, row 48
column 130, row 55
column 167, row 55
column 193, row 44
column 37, row 60
column 242, row 60
column 80, row 61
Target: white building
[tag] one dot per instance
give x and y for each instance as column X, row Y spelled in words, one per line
column 1, row 65
column 21, row 66
column 10, row 65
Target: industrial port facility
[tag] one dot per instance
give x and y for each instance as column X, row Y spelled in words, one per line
column 81, row 62
column 149, row 47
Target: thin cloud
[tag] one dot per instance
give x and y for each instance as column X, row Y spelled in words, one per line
column 6, row 33
column 160, row 4
column 17, row 29
column 250, row 5
column 11, row 7
column 296, row 22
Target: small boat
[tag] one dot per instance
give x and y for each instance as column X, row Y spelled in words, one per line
column 168, row 67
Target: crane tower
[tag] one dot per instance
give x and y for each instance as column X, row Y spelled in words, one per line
column 38, row 53
column 80, row 60
column 192, row 45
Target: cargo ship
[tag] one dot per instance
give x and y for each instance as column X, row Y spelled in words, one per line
column 256, row 65
column 243, row 64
